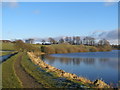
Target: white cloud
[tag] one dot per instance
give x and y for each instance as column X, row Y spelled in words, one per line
column 111, row 36
column 110, row 2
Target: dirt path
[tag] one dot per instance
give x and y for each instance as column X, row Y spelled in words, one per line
column 27, row 80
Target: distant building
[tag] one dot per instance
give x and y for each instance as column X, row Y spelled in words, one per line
column 36, row 42
column 46, row 43
column 43, row 43
column 31, row 41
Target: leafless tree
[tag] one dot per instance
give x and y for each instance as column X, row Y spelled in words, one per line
column 61, row 40
column 103, row 42
column 77, row 40
column 31, row 41
column 89, row 41
column 51, row 40
column 43, row 41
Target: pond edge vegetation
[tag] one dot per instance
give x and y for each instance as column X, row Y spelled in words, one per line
column 70, row 76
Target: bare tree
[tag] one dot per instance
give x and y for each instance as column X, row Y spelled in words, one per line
column 31, row 41
column 68, row 40
column 103, row 42
column 86, row 41
column 43, row 41
column 74, row 40
column 61, row 40
column 51, row 40
column 77, row 40
column 91, row 41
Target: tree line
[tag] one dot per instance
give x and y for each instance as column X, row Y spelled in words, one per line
column 76, row 40
column 19, row 45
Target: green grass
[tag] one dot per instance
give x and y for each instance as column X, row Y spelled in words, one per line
column 39, row 74
column 9, row 78
column 47, row 79
column 8, row 46
column 5, row 53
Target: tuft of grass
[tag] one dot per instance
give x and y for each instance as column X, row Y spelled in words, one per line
column 9, row 78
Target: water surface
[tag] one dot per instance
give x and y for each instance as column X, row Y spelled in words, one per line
column 4, row 57
column 92, row 65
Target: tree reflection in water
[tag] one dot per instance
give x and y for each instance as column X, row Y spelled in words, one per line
column 77, row 61
column 92, row 65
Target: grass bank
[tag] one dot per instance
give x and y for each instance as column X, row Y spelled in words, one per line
column 83, row 82
column 66, row 48
column 7, row 53
column 47, row 79
column 9, row 78
column 4, row 53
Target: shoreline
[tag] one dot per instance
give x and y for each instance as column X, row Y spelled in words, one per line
column 61, row 73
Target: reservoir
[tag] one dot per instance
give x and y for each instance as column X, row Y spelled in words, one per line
column 92, row 65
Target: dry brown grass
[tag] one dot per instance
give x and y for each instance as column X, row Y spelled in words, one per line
column 66, row 48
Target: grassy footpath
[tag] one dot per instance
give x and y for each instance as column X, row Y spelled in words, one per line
column 35, row 71
column 47, row 79
column 9, row 78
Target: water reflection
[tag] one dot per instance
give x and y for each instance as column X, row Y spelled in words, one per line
column 76, row 61
column 93, row 65
column 3, row 58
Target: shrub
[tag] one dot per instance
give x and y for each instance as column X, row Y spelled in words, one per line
column 82, row 48
column 49, row 50
column 104, row 48
column 69, row 49
column 60, row 50
column 93, row 49
column 66, row 48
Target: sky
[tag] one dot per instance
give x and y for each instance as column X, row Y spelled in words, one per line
column 52, row 19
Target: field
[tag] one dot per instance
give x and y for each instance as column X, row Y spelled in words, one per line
column 66, row 48
column 19, row 71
